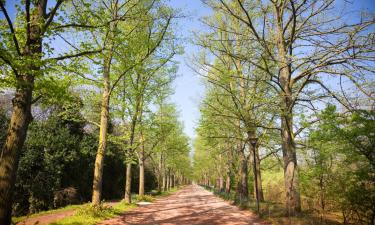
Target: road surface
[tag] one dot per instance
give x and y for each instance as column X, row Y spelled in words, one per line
column 191, row 205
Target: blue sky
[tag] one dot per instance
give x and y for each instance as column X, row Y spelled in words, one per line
column 188, row 87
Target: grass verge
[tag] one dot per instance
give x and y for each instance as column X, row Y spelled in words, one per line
column 91, row 215
column 275, row 212
column 87, row 214
column 18, row 219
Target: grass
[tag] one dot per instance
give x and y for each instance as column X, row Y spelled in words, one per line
column 91, row 215
column 64, row 209
column 87, row 214
column 275, row 212
column 145, row 198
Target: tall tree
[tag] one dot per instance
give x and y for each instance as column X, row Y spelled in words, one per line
column 304, row 48
column 26, row 56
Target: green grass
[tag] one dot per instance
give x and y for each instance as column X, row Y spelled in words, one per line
column 275, row 212
column 145, row 198
column 91, row 215
column 87, row 214
column 171, row 191
column 66, row 208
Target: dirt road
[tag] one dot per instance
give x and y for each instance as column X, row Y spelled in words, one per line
column 191, row 205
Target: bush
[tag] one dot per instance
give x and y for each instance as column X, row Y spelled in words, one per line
column 95, row 211
column 145, row 198
column 66, row 196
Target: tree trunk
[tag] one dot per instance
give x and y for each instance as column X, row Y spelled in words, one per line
column 164, row 181
column 256, row 170
column 16, row 135
column 227, row 184
column 243, row 191
column 141, row 157
column 141, row 176
column 104, row 117
column 169, row 180
column 128, row 185
column 259, row 178
column 21, row 115
column 293, row 201
column 160, row 175
column 221, row 184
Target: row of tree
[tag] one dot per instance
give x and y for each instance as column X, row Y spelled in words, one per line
column 270, row 69
column 94, row 71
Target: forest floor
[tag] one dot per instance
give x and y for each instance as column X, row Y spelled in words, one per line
column 192, row 205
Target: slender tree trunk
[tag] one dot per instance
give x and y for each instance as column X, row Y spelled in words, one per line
column 141, row 157
column 160, row 175
column 104, row 117
column 128, row 198
column 169, row 180
column 221, row 184
column 141, row 176
column 164, row 181
column 259, row 178
column 227, row 184
column 242, row 188
column 293, row 201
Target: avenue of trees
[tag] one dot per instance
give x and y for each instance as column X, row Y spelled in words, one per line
column 288, row 112
column 85, row 108
column 287, row 116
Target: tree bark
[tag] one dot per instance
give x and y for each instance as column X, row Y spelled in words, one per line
column 169, row 180
column 227, row 184
column 293, row 201
column 259, row 177
column 221, row 184
column 104, row 117
column 242, row 189
column 128, row 184
column 21, row 115
column 16, row 135
column 164, row 181
column 160, row 175
column 141, row 177
column 141, row 157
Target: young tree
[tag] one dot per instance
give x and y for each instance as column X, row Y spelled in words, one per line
column 127, row 41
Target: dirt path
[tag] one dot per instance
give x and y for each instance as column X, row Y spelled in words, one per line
column 191, row 205
column 52, row 217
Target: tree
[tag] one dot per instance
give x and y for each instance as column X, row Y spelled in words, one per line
column 127, row 41
column 338, row 165
column 26, row 56
column 303, row 48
